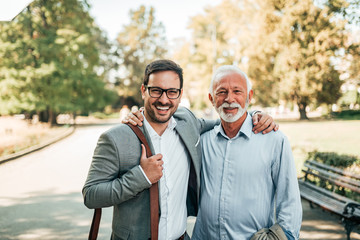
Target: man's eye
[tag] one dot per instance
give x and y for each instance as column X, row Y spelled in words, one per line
column 221, row 93
column 156, row 91
column 172, row 92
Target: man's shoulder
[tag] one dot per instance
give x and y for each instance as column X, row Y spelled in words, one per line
column 118, row 130
column 277, row 136
column 210, row 132
column 183, row 113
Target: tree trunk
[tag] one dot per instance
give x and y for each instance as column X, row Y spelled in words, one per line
column 43, row 116
column 52, row 118
column 302, row 111
column 48, row 116
column 74, row 118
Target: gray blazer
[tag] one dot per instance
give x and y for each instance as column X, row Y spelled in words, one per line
column 114, row 178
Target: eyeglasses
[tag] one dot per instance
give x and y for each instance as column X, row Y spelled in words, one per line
column 171, row 93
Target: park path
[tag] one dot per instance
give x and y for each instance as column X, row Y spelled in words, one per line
column 40, row 195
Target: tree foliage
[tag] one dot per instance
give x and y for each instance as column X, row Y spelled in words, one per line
column 218, row 38
column 140, row 42
column 312, row 37
column 48, row 60
column 291, row 50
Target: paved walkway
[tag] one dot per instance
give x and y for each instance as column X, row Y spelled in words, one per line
column 317, row 224
column 320, row 224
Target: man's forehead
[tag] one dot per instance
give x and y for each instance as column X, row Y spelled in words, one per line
column 234, row 78
column 164, row 77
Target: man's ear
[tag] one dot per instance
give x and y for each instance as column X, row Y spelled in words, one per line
column 250, row 95
column 143, row 91
column 211, row 99
column 181, row 93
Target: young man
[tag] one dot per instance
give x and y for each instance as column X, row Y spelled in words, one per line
column 249, row 188
column 120, row 175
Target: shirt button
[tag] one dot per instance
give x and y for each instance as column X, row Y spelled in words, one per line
column 230, row 141
column 223, row 199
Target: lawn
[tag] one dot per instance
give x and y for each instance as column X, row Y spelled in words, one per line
column 340, row 136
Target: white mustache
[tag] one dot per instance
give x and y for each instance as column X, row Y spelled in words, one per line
column 231, row 117
column 231, row 105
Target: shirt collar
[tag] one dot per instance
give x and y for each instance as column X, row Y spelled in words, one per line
column 246, row 128
column 152, row 132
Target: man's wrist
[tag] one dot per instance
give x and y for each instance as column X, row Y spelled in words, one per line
column 254, row 112
column 147, row 179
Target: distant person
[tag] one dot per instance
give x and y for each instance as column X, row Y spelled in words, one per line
column 124, row 111
column 134, row 108
column 120, row 174
column 249, row 188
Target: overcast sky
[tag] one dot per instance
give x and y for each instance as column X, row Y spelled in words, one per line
column 112, row 14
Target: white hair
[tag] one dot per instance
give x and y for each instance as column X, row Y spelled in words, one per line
column 224, row 71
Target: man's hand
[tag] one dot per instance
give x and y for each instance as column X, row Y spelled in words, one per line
column 264, row 123
column 152, row 166
column 134, row 117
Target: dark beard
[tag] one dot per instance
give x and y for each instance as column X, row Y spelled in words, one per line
column 152, row 115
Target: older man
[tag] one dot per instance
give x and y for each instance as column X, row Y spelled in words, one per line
column 249, row 188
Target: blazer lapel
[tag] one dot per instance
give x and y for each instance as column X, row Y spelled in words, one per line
column 191, row 143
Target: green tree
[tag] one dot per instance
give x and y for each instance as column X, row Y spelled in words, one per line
column 262, row 52
column 354, row 64
column 49, row 61
column 297, row 53
column 313, row 37
column 140, row 42
column 291, row 50
column 220, row 36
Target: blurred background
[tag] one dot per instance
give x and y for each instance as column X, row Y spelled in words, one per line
column 64, row 60
column 66, row 63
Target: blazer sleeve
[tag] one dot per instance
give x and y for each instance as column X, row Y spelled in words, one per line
column 114, row 175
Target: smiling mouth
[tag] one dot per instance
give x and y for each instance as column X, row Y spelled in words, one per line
column 162, row 108
column 230, row 109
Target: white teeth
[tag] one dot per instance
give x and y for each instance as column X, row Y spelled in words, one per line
column 162, row 108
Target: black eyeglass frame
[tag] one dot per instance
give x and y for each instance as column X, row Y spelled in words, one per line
column 164, row 90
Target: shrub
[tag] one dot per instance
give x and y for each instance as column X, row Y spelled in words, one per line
column 347, row 114
column 336, row 160
column 333, row 159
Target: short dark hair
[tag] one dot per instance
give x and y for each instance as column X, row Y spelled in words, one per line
column 160, row 66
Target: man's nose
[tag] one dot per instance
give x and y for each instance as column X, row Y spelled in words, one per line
column 163, row 98
column 230, row 97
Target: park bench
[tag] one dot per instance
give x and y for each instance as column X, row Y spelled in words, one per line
column 331, row 179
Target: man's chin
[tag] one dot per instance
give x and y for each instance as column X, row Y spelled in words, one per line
column 230, row 112
column 162, row 119
column 230, row 118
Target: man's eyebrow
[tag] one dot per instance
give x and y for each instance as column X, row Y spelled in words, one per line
column 222, row 88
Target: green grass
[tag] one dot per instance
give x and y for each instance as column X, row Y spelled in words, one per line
column 340, row 136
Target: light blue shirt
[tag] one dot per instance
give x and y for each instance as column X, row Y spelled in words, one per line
column 248, row 183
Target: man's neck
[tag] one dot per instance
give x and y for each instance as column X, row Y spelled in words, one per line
column 159, row 128
column 232, row 128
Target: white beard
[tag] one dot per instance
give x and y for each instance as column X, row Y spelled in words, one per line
column 228, row 117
